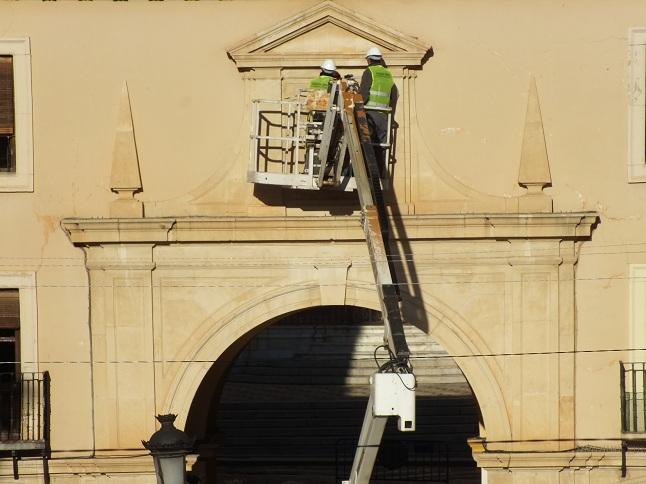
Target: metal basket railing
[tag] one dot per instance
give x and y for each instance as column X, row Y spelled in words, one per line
column 286, row 141
column 278, row 150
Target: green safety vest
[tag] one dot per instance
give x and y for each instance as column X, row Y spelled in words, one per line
column 382, row 84
column 320, row 82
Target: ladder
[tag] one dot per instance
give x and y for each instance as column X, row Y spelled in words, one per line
column 330, row 138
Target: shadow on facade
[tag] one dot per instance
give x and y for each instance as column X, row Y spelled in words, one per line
column 286, row 405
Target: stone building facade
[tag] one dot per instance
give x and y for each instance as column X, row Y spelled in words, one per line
column 143, row 259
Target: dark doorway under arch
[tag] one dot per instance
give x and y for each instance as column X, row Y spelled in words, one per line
column 287, row 406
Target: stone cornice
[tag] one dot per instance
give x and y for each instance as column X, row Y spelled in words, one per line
column 84, row 231
column 256, row 61
column 559, row 460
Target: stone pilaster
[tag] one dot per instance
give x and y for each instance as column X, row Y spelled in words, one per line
column 122, row 344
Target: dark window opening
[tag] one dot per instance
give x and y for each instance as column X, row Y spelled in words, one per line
column 9, row 331
column 7, row 116
column 7, row 154
column 8, row 351
column 9, row 362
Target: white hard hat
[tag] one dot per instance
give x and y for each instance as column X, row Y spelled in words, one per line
column 373, row 52
column 328, row 65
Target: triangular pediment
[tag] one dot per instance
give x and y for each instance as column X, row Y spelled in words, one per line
column 327, row 30
column 328, row 37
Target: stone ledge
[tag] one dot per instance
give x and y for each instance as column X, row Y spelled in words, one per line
column 133, row 463
column 90, row 231
column 555, row 460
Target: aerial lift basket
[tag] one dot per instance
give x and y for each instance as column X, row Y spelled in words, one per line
column 288, row 135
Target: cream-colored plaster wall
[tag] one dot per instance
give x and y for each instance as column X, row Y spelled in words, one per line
column 471, row 95
column 186, row 99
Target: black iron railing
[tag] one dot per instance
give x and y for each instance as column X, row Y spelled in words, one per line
column 397, row 460
column 24, row 410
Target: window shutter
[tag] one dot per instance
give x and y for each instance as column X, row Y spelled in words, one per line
column 6, row 95
column 9, row 309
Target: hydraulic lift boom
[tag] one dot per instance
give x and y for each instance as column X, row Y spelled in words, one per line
column 344, row 129
column 392, row 390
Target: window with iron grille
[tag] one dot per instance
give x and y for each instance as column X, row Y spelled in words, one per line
column 633, row 392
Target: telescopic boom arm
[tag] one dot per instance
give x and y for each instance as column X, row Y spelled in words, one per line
column 337, row 129
column 392, row 389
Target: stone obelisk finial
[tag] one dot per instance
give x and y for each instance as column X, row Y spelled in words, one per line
column 125, row 179
column 534, row 173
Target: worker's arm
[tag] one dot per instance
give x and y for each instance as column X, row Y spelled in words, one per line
column 366, row 82
column 394, row 95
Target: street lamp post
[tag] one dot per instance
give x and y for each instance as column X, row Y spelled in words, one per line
column 169, row 447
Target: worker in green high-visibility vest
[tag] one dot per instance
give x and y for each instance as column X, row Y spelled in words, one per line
column 328, row 73
column 378, row 91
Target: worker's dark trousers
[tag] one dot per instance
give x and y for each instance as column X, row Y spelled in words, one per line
column 378, row 123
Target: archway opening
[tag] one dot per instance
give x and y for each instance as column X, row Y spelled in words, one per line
column 285, row 404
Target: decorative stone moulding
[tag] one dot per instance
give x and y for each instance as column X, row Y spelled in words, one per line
column 125, row 180
column 331, row 31
column 571, row 226
column 637, row 106
column 534, row 172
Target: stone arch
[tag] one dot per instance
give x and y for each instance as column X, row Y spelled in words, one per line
column 451, row 331
column 460, row 339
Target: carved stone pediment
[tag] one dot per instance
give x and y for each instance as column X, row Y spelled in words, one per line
column 323, row 31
